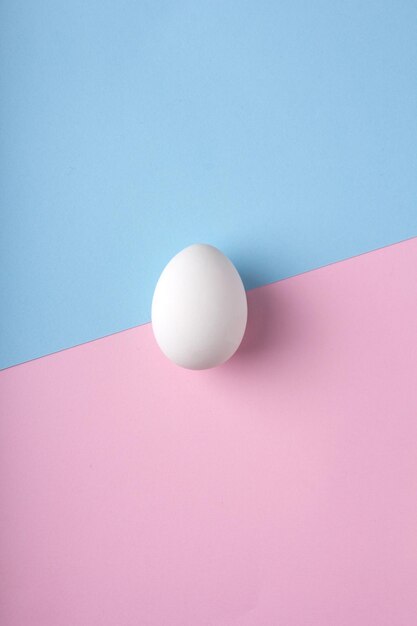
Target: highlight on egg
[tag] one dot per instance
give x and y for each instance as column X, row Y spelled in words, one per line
column 199, row 308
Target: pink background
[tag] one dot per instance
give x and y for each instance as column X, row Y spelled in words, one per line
column 279, row 489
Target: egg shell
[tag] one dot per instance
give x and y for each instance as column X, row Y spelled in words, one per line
column 199, row 308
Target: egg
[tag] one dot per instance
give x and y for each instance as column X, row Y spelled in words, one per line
column 199, row 308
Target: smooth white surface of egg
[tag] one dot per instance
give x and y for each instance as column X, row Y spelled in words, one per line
column 199, row 308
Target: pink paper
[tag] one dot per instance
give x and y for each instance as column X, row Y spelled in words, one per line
column 277, row 490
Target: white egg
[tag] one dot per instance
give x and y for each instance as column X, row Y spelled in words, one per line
column 199, row 308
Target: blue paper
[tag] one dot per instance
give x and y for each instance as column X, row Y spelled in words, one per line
column 282, row 132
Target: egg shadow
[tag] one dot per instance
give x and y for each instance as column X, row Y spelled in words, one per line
column 269, row 317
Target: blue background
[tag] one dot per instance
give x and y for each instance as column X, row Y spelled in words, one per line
column 283, row 132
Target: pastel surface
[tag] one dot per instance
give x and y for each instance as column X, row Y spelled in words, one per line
column 277, row 489
column 282, row 132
